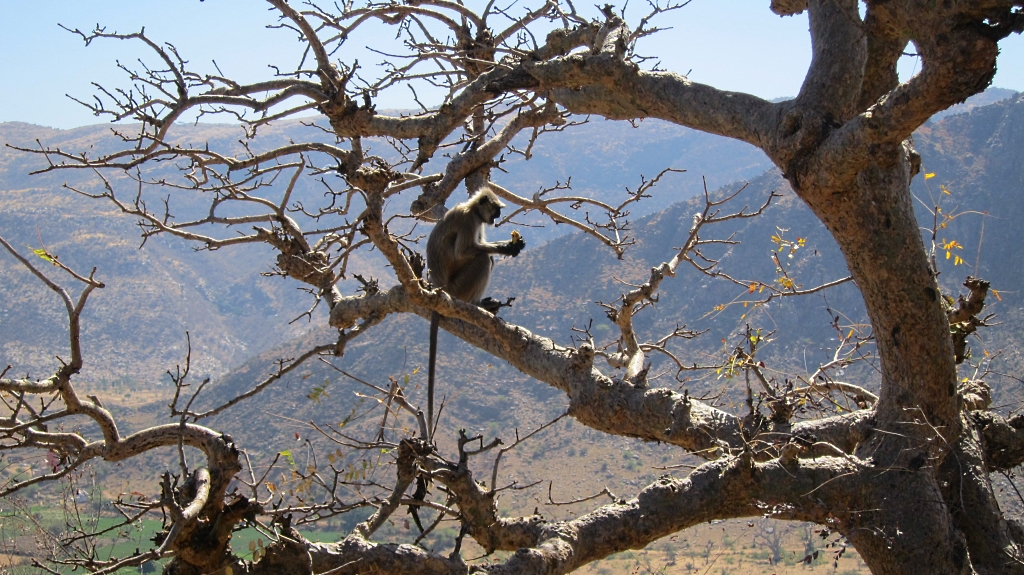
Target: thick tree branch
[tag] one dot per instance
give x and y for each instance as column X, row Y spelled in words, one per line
column 731, row 487
column 616, row 89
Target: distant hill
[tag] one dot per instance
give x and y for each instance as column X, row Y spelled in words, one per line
column 136, row 326
column 237, row 318
column 978, row 156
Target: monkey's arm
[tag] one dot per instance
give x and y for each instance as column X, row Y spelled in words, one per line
column 468, row 246
column 506, row 248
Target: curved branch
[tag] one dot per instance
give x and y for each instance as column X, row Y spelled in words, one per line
column 464, row 163
column 833, row 82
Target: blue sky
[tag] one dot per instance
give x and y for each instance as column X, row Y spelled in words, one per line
column 735, row 45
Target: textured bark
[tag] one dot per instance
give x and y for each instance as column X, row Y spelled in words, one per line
column 968, row 491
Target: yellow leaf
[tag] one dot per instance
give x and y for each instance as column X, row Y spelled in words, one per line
column 995, row 293
column 228, row 570
column 252, row 545
column 929, row 175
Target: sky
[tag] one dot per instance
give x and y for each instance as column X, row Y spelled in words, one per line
column 734, row 45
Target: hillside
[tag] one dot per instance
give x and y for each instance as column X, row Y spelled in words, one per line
column 137, row 325
column 136, row 328
column 556, row 291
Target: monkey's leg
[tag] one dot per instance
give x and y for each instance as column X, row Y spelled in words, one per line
column 470, row 282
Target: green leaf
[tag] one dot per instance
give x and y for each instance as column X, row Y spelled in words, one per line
column 287, row 454
column 43, row 254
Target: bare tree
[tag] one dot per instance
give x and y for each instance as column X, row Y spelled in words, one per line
column 905, row 479
column 770, row 535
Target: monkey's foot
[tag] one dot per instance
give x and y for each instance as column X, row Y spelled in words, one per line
column 492, row 305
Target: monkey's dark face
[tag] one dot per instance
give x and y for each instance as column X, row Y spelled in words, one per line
column 489, row 210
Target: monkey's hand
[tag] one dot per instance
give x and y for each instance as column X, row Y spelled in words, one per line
column 512, row 247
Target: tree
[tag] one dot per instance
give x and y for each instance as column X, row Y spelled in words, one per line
column 905, row 479
column 769, row 535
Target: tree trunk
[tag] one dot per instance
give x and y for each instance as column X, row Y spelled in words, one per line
column 904, row 526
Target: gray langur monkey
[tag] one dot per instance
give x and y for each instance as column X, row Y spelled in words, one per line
column 460, row 259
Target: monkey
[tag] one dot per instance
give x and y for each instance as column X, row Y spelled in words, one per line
column 459, row 261
column 459, row 257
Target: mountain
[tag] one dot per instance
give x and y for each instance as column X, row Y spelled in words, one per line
column 135, row 328
column 978, row 157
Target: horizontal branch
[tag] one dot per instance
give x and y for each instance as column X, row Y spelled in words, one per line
column 731, row 487
column 616, row 89
column 595, row 399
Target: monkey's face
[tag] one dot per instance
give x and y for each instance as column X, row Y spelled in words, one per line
column 489, row 210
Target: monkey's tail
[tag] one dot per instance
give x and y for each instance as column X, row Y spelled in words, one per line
column 434, row 319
